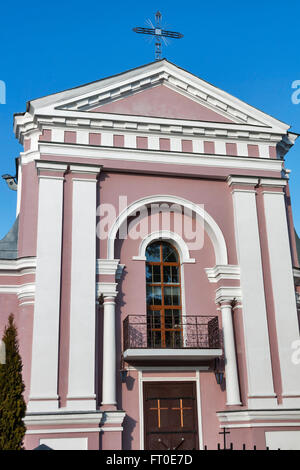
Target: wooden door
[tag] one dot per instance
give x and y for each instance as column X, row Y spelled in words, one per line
column 170, row 416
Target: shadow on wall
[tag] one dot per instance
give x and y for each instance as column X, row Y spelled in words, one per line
column 129, row 425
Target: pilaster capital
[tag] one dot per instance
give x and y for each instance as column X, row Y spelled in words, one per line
column 107, row 289
column 85, row 169
column 111, row 267
column 273, row 185
column 50, row 170
column 242, row 183
column 227, row 295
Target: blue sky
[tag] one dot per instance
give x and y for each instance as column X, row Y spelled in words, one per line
column 250, row 49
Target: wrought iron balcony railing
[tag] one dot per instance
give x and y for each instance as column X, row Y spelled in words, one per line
column 191, row 332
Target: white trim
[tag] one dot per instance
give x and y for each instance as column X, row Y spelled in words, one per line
column 45, row 341
column 74, row 151
column 61, row 430
column 17, row 265
column 141, row 409
column 260, row 425
column 242, row 180
column 248, row 244
column 255, row 415
column 131, row 126
column 85, row 169
column 118, row 86
column 108, row 289
column 82, row 343
column 113, row 417
column 224, row 294
column 62, row 417
column 165, row 235
column 273, row 182
column 107, row 266
column 168, row 368
column 111, row 428
column 218, row 273
column 171, row 354
column 50, row 166
column 199, row 410
column 286, row 318
column 210, row 225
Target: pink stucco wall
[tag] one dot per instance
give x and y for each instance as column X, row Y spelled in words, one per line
column 161, row 101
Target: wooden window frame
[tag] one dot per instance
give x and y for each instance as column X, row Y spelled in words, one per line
column 162, row 308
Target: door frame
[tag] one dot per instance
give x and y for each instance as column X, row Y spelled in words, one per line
column 195, row 379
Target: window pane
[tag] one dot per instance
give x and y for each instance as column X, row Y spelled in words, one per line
column 154, row 339
column 169, row 254
column 154, row 295
column 172, row 318
column 153, row 273
column 153, row 252
column 175, row 274
column 172, row 295
column 171, row 274
column 148, row 273
column 156, row 274
column 173, row 339
column 154, row 319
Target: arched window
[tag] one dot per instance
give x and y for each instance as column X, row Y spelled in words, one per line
column 164, row 325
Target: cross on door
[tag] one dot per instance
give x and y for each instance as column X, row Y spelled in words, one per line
column 158, row 409
column 181, row 409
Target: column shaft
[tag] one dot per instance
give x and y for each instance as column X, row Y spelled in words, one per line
column 231, row 371
column 109, row 353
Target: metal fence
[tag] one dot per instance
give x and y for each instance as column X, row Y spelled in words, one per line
column 190, row 332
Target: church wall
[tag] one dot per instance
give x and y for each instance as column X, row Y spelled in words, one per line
column 28, row 211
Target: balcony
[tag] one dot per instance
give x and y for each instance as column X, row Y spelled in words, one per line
column 153, row 339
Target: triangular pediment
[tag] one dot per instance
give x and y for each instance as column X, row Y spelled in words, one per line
column 161, row 101
column 159, row 89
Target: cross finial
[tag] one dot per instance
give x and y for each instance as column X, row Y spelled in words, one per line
column 159, row 33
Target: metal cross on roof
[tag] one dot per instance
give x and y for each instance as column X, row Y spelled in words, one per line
column 159, row 33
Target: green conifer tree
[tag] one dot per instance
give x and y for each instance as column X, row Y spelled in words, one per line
column 12, row 404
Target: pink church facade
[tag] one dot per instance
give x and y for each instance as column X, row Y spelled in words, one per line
column 154, row 253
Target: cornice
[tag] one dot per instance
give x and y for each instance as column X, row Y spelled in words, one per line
column 74, row 151
column 221, row 272
column 18, row 266
column 156, row 125
column 250, row 416
column 63, row 417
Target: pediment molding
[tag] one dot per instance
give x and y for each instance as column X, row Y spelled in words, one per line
column 88, row 97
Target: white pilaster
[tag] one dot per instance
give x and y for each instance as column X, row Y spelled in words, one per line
column 81, row 385
column 44, row 366
column 287, row 326
column 257, row 345
column 231, row 370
